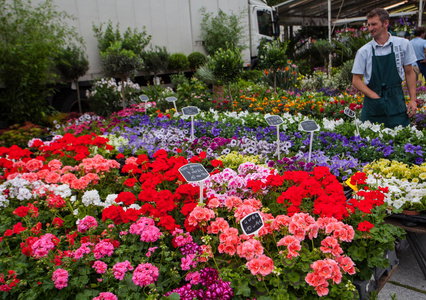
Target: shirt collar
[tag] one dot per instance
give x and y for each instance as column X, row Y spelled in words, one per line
column 375, row 44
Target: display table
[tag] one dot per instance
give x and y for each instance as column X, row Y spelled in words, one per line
column 414, row 227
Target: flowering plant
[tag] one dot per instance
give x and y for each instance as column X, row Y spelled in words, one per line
column 406, row 183
column 403, row 25
column 105, row 95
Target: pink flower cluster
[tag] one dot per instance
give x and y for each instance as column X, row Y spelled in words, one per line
column 98, row 164
column 106, row 296
column 218, row 225
column 229, row 183
column 200, row 216
column 84, row 249
column 323, row 271
column 121, row 268
column 79, row 183
column 60, row 278
column 87, row 223
column 43, row 245
column 180, row 238
column 145, row 274
column 102, row 249
column 262, row 265
column 247, row 207
column 145, row 227
column 100, row 267
column 189, row 261
column 229, row 240
column 293, row 245
column 250, row 249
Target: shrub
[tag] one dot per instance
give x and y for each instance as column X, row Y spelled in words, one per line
column 178, row 62
column 155, row 60
column 72, row 64
column 345, row 74
column 221, row 31
column 31, row 37
column 227, row 65
column 252, row 75
column 20, row 135
column 196, row 60
column 121, row 56
column 104, row 97
column 177, row 79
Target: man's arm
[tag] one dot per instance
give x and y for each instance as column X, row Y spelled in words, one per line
column 410, row 78
column 362, row 87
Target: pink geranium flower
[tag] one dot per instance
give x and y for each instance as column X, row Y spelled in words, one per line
column 60, row 278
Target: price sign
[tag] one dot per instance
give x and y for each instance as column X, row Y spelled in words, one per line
column 194, row 172
column 144, row 98
column 252, row 223
column 274, row 120
column 349, row 112
column 171, row 99
column 309, row 126
column 190, row 110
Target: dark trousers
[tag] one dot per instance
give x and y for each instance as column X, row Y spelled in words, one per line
column 422, row 68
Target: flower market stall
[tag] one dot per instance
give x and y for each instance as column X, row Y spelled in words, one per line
column 107, row 215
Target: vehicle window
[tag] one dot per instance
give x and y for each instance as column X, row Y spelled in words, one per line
column 264, row 21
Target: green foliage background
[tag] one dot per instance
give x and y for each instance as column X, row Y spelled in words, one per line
column 31, row 37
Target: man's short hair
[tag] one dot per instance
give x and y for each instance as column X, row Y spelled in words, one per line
column 419, row 31
column 379, row 12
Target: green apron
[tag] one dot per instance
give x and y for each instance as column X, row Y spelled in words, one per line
column 390, row 109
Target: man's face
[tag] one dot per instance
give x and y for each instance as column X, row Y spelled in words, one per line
column 376, row 27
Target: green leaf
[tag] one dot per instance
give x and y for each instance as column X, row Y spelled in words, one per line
column 293, row 276
column 173, row 296
column 243, row 289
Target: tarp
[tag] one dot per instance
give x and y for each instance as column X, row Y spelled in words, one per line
column 316, row 12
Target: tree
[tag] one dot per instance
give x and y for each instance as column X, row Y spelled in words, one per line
column 273, row 57
column 325, row 48
column 31, row 38
column 72, row 64
column 227, row 66
column 121, row 56
column 155, row 60
column 221, row 31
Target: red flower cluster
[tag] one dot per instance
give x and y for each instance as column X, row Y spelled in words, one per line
column 365, row 226
column 317, row 192
column 6, row 287
column 75, row 147
column 367, row 200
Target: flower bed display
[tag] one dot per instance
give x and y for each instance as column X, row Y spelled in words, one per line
column 81, row 222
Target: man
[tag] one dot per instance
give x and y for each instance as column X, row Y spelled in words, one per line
column 383, row 62
column 419, row 46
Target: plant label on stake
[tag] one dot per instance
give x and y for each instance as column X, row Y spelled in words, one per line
column 350, row 113
column 191, row 111
column 194, row 173
column 309, row 126
column 252, row 223
column 275, row 121
column 172, row 99
column 145, row 99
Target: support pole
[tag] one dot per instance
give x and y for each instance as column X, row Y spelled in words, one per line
column 278, row 141
column 420, row 12
column 329, row 36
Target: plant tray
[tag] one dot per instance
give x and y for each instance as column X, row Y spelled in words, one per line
column 410, row 221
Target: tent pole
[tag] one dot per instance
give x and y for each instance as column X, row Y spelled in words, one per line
column 329, row 36
column 420, row 12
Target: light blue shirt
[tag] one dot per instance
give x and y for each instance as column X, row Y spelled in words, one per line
column 404, row 55
column 419, row 46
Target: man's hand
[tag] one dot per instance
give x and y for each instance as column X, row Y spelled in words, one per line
column 411, row 108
